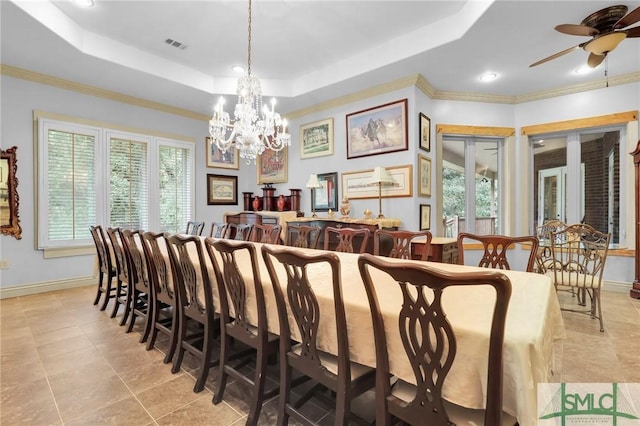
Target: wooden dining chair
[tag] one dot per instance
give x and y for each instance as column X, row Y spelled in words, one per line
column 121, row 295
column 194, row 228
column 265, row 233
column 345, row 239
column 218, row 230
column 400, row 243
column 164, row 303
column 138, row 299
column 336, row 373
column 233, row 291
column 303, row 236
column 429, row 342
column 106, row 270
column 495, row 249
column 195, row 297
column 239, row 231
column 579, row 255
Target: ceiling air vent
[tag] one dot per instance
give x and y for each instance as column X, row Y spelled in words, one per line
column 175, row 43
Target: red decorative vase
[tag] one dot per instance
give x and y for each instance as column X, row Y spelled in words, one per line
column 281, row 202
column 256, row 204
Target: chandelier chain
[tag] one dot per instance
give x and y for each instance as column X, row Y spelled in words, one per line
column 249, row 43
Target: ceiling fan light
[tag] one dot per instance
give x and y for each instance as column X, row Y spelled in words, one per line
column 605, row 43
column 488, row 76
column 583, row 70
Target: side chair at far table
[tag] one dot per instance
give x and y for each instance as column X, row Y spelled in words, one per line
column 336, row 373
column 106, row 269
column 265, row 233
column 194, row 227
column 195, row 297
column 303, row 236
column 401, row 239
column 164, row 303
column 429, row 343
column 347, row 238
column 495, row 249
column 579, row 254
column 139, row 290
column 232, row 291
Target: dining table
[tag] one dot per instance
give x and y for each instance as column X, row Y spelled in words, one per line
column 533, row 325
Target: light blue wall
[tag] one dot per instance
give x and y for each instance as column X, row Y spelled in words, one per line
column 20, row 98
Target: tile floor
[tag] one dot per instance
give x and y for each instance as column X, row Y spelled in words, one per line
column 63, row 361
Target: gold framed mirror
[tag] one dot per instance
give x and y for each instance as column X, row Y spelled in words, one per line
column 9, row 220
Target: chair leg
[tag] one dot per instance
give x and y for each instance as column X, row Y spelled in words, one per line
column 116, row 299
column 107, row 293
column 177, row 362
column 205, row 362
column 342, row 406
column 153, row 330
column 258, row 388
column 147, row 322
column 222, row 374
column 285, row 389
column 175, row 324
column 128, row 301
column 596, row 300
column 100, row 290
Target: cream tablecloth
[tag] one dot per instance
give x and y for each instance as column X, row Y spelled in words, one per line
column 534, row 322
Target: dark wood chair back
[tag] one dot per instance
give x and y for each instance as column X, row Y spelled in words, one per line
column 306, row 356
column 400, row 242
column 346, row 237
column 106, row 268
column 429, row 339
column 239, row 231
column 495, row 249
column 138, row 298
column 267, row 234
column 194, row 227
column 121, row 296
column 303, row 236
column 218, row 230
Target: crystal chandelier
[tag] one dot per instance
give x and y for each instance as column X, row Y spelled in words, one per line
column 255, row 127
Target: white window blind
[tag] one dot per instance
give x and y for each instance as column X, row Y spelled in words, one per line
column 175, row 187
column 128, row 184
column 69, row 176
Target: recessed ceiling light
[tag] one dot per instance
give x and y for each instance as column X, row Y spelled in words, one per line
column 84, row 3
column 238, row 68
column 583, row 69
column 488, row 76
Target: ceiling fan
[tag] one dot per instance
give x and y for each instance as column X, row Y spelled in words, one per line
column 606, row 27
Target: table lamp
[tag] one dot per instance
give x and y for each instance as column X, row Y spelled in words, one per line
column 313, row 184
column 381, row 178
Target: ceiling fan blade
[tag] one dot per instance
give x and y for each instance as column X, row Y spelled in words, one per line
column 629, row 19
column 557, row 55
column 579, row 30
column 633, row 32
column 595, row 60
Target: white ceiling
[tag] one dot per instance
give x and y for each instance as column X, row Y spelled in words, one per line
column 304, row 51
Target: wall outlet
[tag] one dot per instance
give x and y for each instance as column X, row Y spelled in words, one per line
column 4, row 264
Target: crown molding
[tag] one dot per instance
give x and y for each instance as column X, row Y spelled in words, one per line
column 86, row 89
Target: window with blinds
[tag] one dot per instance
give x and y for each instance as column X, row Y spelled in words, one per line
column 89, row 175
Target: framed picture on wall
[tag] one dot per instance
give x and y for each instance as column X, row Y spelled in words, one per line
column 222, row 189
column 220, row 159
column 356, row 185
column 424, row 176
column 425, row 217
column 271, row 166
column 325, row 198
column 316, row 139
column 377, row 130
column 425, row 132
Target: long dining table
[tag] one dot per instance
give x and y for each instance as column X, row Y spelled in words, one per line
column 534, row 323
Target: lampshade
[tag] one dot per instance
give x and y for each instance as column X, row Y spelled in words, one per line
column 380, row 175
column 313, row 181
column 605, row 43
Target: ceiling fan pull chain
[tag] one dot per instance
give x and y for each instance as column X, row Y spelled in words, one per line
column 606, row 70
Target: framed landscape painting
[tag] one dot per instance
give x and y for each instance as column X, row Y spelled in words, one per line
column 219, row 159
column 356, row 185
column 316, row 139
column 272, row 166
column 222, row 189
column 378, row 130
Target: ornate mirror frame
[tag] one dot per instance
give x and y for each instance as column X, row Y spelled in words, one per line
column 9, row 200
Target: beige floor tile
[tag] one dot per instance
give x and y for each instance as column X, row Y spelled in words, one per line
column 57, row 335
column 29, row 404
column 170, row 396
column 125, row 412
column 201, row 412
column 139, row 378
column 21, row 374
column 64, row 346
column 76, row 361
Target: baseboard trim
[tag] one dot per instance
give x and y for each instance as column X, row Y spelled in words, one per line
column 616, row 286
column 25, row 290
